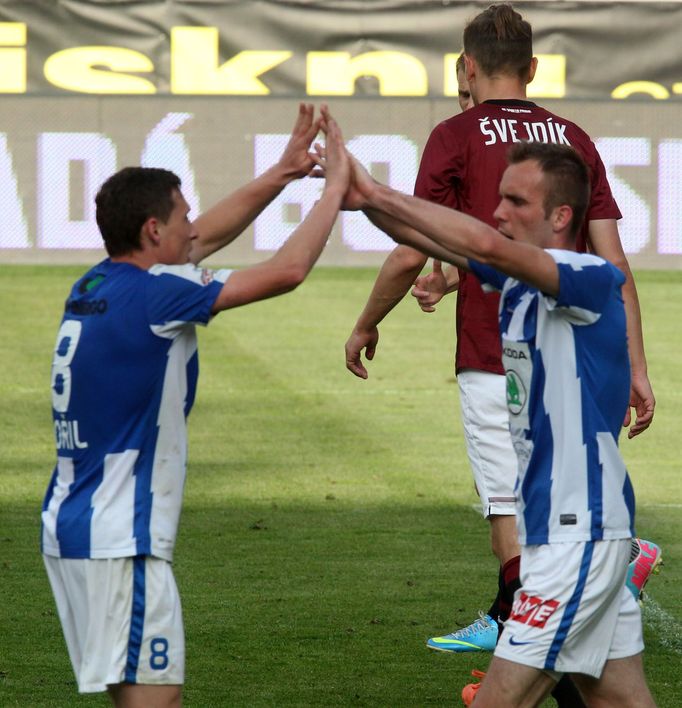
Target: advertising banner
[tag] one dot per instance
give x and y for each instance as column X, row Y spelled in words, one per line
column 209, row 89
column 55, row 152
column 595, row 50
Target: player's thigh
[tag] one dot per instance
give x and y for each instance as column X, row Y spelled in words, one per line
column 122, row 620
column 485, row 421
column 622, row 684
column 565, row 615
column 156, row 651
column 132, row 696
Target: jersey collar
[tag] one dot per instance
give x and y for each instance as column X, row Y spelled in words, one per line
column 510, row 102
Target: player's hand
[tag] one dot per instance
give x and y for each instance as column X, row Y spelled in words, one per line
column 359, row 340
column 361, row 183
column 429, row 289
column 643, row 401
column 296, row 160
column 333, row 158
column 361, row 188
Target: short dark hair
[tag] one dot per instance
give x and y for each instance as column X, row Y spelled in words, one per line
column 567, row 177
column 127, row 199
column 500, row 40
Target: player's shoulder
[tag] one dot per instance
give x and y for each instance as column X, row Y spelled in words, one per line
column 576, row 260
column 93, row 279
column 462, row 120
column 582, row 261
column 572, row 127
column 187, row 273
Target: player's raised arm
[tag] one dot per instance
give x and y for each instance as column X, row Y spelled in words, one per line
column 294, row 260
column 455, row 237
column 222, row 223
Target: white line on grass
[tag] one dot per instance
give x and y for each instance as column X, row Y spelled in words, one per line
column 667, row 629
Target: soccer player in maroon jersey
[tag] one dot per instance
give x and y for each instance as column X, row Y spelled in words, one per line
column 461, row 168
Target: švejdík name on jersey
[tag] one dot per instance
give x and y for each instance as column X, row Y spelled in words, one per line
column 462, row 166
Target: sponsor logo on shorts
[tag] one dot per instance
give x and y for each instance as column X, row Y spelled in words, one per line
column 514, row 643
column 533, row 610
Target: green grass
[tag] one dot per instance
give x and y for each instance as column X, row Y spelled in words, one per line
column 328, row 527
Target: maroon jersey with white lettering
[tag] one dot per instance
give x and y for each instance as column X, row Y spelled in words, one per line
column 462, row 166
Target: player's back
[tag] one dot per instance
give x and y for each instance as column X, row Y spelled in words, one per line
column 123, row 378
column 105, row 367
column 462, row 166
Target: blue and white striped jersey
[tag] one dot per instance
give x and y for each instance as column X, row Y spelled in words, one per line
column 124, row 375
column 568, row 386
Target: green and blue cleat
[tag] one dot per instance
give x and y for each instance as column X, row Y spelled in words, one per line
column 481, row 635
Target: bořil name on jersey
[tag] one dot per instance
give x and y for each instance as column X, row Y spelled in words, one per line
column 67, row 436
column 511, row 130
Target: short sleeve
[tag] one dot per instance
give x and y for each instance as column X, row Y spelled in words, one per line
column 602, row 203
column 177, row 296
column 491, row 279
column 587, row 284
column 439, row 168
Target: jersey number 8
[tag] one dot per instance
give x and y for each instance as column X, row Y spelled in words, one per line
column 65, row 348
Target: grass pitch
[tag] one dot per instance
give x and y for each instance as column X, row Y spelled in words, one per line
column 328, row 527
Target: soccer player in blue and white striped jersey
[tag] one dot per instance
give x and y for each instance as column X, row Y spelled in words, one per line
column 124, row 376
column 563, row 330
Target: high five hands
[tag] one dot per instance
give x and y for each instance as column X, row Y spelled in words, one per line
column 361, row 183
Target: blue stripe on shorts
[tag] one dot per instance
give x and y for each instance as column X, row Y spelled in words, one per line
column 571, row 608
column 136, row 619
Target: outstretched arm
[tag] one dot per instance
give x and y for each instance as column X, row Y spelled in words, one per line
column 222, row 223
column 294, row 260
column 450, row 235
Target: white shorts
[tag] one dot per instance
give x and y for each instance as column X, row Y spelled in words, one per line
column 483, row 397
column 121, row 619
column 573, row 611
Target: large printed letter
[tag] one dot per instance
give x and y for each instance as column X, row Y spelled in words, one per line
column 399, row 155
column 275, row 224
column 56, row 152
column 669, row 197
column 635, row 227
column 649, row 88
column 194, row 65
column 335, row 73
column 74, row 70
column 168, row 149
column 14, row 231
column 12, row 61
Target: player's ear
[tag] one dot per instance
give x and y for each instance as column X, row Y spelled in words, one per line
column 470, row 67
column 533, row 69
column 150, row 232
column 562, row 217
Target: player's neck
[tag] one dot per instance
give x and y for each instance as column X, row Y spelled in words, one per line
column 498, row 88
column 142, row 259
